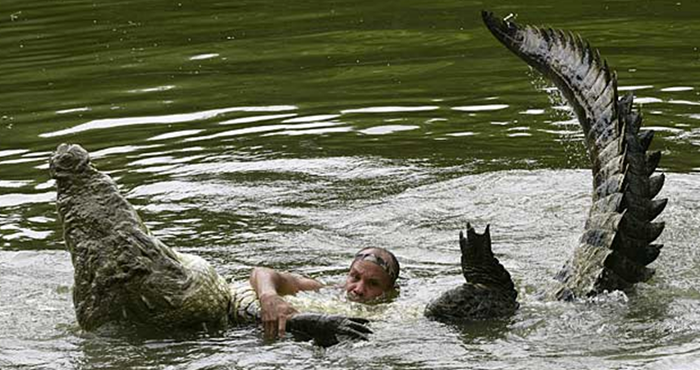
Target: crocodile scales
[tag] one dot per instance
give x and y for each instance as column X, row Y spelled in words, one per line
column 618, row 239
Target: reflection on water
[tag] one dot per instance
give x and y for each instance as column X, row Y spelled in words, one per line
column 390, row 109
column 14, row 199
column 168, row 119
column 479, row 108
column 388, row 129
column 253, row 134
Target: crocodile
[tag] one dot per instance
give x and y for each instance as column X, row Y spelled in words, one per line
column 617, row 243
column 125, row 276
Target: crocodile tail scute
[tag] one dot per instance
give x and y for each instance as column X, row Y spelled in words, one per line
column 617, row 243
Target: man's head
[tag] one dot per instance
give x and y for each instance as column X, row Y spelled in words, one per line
column 372, row 273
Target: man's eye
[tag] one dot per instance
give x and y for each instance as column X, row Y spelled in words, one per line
column 373, row 283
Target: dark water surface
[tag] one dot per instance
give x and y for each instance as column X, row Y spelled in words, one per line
column 290, row 134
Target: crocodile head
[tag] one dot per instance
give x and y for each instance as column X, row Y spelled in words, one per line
column 68, row 160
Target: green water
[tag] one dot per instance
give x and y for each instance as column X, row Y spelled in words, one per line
column 290, row 134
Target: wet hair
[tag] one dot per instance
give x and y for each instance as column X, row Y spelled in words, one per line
column 391, row 267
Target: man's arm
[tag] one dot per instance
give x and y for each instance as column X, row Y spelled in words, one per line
column 270, row 286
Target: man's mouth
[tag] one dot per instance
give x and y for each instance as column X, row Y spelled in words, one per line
column 354, row 297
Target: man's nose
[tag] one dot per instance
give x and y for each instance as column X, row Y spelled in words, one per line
column 359, row 289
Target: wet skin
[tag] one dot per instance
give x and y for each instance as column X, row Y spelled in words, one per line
column 366, row 281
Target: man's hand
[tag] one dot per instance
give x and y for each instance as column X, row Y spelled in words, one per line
column 275, row 312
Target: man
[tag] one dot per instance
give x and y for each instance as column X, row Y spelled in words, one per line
column 372, row 275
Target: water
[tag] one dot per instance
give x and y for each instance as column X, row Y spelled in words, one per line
column 292, row 134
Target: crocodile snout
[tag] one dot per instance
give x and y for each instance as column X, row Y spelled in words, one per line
column 68, row 159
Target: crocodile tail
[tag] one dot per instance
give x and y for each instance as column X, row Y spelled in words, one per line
column 617, row 244
column 479, row 265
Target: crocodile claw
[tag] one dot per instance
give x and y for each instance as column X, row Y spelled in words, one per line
column 325, row 329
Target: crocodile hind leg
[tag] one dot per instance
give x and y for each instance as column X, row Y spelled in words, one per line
column 488, row 292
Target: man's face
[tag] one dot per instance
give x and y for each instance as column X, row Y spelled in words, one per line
column 366, row 280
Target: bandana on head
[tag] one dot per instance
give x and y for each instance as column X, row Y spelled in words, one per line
column 370, row 256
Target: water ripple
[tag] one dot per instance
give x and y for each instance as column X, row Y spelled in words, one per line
column 316, row 118
column 634, row 88
column 317, row 131
column 14, row 184
column 388, row 129
column 21, row 160
column 480, row 108
column 683, row 102
column 167, row 119
column 121, row 150
column 533, row 111
column 204, row 56
column 11, row 152
column 647, row 100
column 73, row 110
column 269, row 117
column 15, row 199
column 461, row 134
column 391, row 109
column 153, row 89
column 259, row 129
column 677, row 89
column 23, row 233
column 174, row 135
